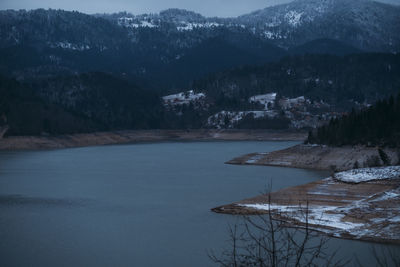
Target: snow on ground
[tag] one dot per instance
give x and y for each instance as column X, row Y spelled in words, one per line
column 230, row 118
column 293, row 18
column 366, row 217
column 273, row 23
column 148, row 24
column 317, row 215
column 183, row 98
column 392, row 194
column 266, row 100
column 71, row 46
column 287, row 103
column 368, row 174
column 273, row 35
column 132, row 23
column 189, row 26
column 334, row 220
column 255, row 158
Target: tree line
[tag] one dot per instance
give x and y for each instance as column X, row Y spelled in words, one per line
column 378, row 125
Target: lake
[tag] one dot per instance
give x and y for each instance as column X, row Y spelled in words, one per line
column 131, row 205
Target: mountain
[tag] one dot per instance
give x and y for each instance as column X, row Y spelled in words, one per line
column 297, row 92
column 292, row 65
column 324, row 46
column 159, row 47
column 337, row 80
column 42, row 42
column 364, row 24
column 218, row 54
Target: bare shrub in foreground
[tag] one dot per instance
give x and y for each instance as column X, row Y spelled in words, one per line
column 262, row 241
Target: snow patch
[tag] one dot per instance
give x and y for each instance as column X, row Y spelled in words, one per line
column 389, row 195
column 288, row 103
column 317, row 215
column 228, row 119
column 71, row 46
column 266, row 100
column 189, row 26
column 368, row 174
column 293, row 18
column 182, row 98
column 134, row 23
column 254, row 159
column 273, row 35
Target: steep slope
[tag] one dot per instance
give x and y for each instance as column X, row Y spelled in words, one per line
column 53, row 42
column 379, row 125
column 26, row 114
column 218, row 54
column 337, row 80
column 58, row 29
column 110, row 102
column 324, row 46
column 364, row 24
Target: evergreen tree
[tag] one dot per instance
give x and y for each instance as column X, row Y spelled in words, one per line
column 379, row 125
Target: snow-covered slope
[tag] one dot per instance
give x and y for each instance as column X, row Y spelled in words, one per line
column 183, row 98
column 364, row 24
column 368, row 174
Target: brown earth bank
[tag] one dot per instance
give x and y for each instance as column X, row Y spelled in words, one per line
column 361, row 204
column 136, row 136
column 367, row 211
column 320, row 157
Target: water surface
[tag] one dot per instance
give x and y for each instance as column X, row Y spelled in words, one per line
column 130, row 205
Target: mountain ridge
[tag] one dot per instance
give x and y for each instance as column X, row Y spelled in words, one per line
column 142, row 47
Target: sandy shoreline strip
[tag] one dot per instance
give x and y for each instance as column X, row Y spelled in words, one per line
column 137, row 136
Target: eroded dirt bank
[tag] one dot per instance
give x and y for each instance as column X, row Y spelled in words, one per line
column 134, row 136
column 319, row 157
column 366, row 210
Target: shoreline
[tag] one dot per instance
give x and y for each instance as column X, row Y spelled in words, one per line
column 141, row 136
column 365, row 211
column 318, row 157
column 342, row 205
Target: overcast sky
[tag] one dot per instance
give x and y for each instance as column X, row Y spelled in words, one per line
column 221, row 8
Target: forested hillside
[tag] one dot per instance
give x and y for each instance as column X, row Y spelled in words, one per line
column 377, row 125
column 169, row 49
column 26, row 114
column 337, row 80
column 299, row 92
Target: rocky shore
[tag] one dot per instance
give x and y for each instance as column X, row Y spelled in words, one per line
column 355, row 202
column 320, row 157
column 361, row 209
column 136, row 136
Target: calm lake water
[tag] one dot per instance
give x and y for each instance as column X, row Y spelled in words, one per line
column 131, row 205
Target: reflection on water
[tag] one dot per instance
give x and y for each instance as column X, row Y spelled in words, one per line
column 131, row 205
